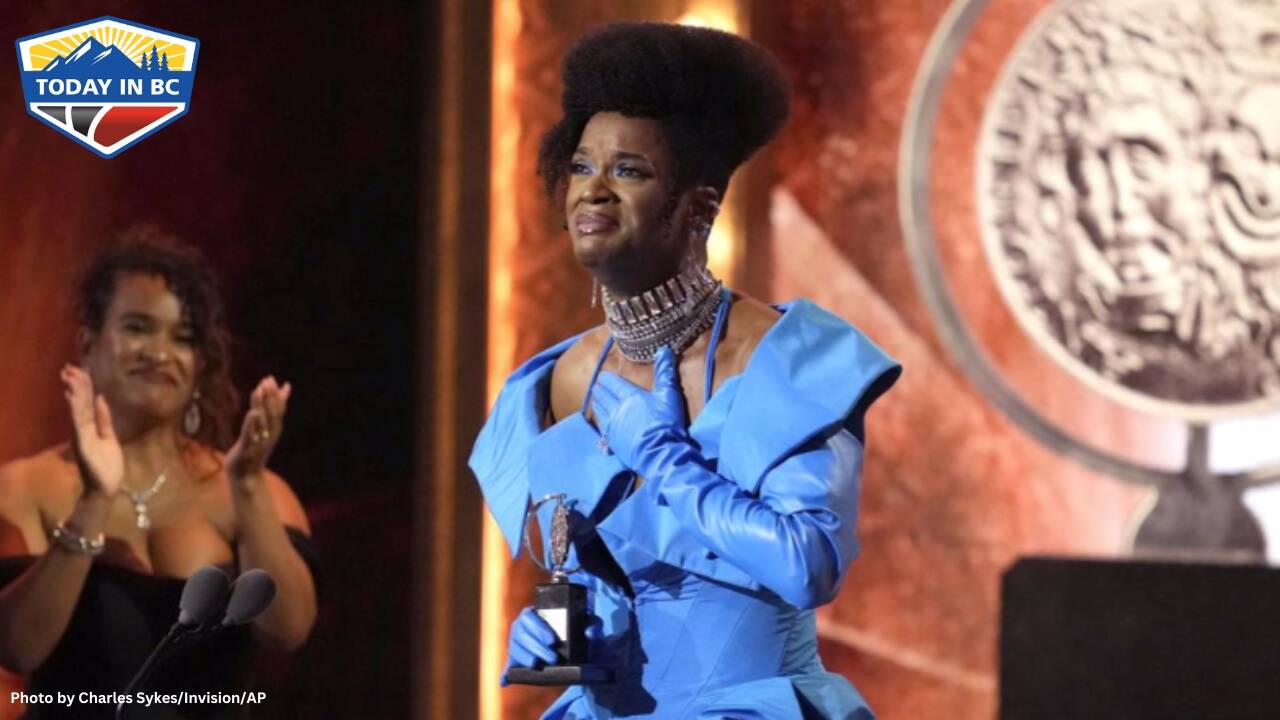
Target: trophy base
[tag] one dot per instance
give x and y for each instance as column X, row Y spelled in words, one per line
column 560, row 675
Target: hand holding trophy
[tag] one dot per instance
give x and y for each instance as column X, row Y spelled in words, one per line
column 563, row 605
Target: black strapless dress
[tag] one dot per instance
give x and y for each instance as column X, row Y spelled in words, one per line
column 119, row 619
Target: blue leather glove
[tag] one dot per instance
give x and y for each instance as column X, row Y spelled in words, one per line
column 796, row 539
column 532, row 640
column 530, row 644
column 638, row 425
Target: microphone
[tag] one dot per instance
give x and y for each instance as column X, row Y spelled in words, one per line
column 203, row 597
column 251, row 595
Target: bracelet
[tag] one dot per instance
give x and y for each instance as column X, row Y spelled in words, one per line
column 77, row 543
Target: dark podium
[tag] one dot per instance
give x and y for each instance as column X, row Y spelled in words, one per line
column 1091, row 639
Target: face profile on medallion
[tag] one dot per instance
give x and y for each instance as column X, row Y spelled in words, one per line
column 1129, row 198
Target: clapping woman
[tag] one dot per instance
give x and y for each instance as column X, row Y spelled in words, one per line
column 99, row 533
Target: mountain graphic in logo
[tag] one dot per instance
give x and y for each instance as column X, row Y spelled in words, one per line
column 107, row 83
column 92, row 54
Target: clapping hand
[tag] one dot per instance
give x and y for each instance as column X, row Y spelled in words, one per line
column 97, row 449
column 260, row 430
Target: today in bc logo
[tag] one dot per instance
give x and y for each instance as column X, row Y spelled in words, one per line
column 107, row 83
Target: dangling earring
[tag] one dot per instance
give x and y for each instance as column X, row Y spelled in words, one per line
column 689, row 263
column 191, row 419
column 595, row 290
column 712, row 211
column 693, row 264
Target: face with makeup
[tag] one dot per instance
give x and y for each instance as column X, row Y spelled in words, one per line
column 629, row 225
column 143, row 359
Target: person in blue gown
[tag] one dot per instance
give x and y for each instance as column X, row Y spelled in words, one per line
column 709, row 445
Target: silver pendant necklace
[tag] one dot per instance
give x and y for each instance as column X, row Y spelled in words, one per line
column 139, row 498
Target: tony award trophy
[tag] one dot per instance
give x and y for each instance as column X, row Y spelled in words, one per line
column 563, row 605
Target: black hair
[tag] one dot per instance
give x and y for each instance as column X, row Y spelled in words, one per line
column 144, row 249
column 718, row 97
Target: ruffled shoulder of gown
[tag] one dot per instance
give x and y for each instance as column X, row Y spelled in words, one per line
column 500, row 456
column 811, row 372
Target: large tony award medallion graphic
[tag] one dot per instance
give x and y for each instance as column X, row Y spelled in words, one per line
column 563, row 604
column 1114, row 204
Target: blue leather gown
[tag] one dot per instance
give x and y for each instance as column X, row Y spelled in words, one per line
column 705, row 606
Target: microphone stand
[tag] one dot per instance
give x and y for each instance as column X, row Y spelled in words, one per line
column 242, row 607
column 172, row 638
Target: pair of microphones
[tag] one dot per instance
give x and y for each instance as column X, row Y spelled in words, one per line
column 210, row 603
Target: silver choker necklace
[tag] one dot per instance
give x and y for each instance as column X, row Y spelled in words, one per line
column 674, row 314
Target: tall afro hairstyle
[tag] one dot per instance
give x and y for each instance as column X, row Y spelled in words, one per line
column 718, row 97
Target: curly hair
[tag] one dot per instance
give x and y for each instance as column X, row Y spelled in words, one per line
column 146, row 250
column 718, row 97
